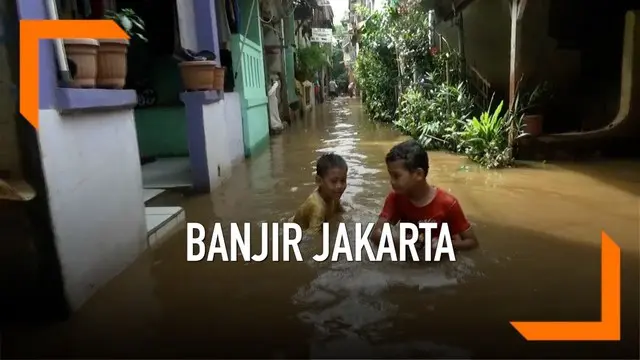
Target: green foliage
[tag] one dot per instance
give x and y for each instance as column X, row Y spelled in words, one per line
column 376, row 68
column 436, row 106
column 484, row 139
column 435, row 116
column 129, row 21
column 446, row 67
column 338, row 69
column 410, row 34
column 310, row 60
column 376, row 79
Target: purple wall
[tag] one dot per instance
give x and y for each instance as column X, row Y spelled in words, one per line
column 206, row 32
column 206, row 26
column 205, row 22
column 36, row 10
column 68, row 100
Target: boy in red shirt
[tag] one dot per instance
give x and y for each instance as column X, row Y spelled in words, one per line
column 414, row 200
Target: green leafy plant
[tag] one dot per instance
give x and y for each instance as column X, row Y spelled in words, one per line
column 376, row 69
column 446, row 67
column 410, row 34
column 310, row 60
column 129, row 21
column 413, row 111
column 435, row 105
column 484, row 138
column 435, row 116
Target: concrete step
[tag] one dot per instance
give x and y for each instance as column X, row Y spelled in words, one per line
column 150, row 194
column 162, row 223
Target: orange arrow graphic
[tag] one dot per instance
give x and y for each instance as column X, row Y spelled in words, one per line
column 607, row 329
column 31, row 31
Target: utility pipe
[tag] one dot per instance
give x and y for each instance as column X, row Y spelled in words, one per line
column 61, row 55
column 246, row 31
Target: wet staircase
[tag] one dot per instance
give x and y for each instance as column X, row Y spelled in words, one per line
column 161, row 221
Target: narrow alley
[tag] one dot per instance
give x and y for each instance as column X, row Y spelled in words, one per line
column 539, row 227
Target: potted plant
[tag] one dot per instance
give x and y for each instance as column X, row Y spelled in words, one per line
column 218, row 78
column 82, row 58
column 112, row 54
column 198, row 71
column 533, row 111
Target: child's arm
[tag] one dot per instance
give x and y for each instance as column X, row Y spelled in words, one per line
column 387, row 215
column 376, row 234
column 462, row 235
column 466, row 240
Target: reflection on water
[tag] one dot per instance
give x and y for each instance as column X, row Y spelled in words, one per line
column 539, row 228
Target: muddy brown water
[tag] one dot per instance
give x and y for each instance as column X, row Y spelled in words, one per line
column 539, row 226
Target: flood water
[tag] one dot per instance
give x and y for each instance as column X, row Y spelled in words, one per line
column 539, row 227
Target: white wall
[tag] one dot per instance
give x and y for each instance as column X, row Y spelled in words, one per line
column 186, row 24
column 223, row 137
column 93, row 175
column 233, row 118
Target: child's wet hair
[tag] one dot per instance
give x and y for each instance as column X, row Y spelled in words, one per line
column 329, row 161
column 412, row 154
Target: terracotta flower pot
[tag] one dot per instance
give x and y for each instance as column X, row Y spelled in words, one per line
column 83, row 53
column 112, row 63
column 197, row 75
column 532, row 124
column 218, row 79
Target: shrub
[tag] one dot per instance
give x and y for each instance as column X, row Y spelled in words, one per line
column 435, row 116
column 377, row 76
column 484, row 139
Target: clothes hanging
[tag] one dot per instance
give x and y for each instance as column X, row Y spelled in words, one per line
column 233, row 11
column 224, row 33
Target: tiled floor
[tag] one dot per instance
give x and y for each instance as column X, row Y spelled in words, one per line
column 167, row 173
column 162, row 222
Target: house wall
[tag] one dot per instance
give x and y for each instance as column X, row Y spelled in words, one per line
column 94, row 180
column 233, row 120
column 186, row 18
column 223, row 137
column 273, row 58
column 289, row 28
column 487, row 43
column 162, row 131
column 161, row 127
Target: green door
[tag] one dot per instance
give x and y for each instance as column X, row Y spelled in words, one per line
column 250, row 84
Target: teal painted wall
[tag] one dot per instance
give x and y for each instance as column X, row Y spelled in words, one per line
column 162, row 128
column 162, row 131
